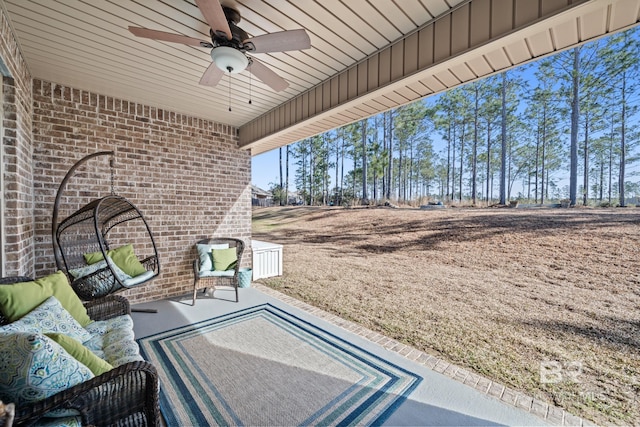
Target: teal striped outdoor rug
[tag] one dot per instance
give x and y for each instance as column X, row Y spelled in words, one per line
column 265, row 367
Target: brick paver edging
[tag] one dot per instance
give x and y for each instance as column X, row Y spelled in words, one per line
column 549, row 413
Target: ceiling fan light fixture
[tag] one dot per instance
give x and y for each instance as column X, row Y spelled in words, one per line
column 229, row 59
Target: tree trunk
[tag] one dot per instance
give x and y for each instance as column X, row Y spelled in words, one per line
column 544, row 153
column 335, row 196
column 623, row 147
column 390, row 165
column 503, row 155
column 464, row 125
column 575, row 115
column 474, row 154
column 342, row 168
column 585, row 180
column 365, row 196
column 311, row 170
column 453, row 163
column 286, row 185
column 448, row 158
column 611, row 159
column 488, row 160
column 281, row 180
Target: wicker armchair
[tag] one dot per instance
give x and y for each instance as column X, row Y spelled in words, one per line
column 203, row 282
column 125, row 396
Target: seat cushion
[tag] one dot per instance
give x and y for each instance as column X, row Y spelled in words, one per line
column 113, row 340
column 92, row 268
column 141, row 278
column 226, row 273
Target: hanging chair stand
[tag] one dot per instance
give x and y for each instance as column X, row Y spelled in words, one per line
column 89, row 230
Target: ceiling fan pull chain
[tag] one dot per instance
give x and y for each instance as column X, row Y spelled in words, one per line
column 250, row 73
column 229, row 90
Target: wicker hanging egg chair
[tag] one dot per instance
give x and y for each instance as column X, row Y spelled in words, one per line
column 92, row 244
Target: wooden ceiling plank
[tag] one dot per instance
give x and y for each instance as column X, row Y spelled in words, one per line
column 447, row 78
column 92, row 34
column 518, row 52
column 409, row 93
column 433, row 84
column 540, row 43
column 375, row 19
column 498, row 59
column 480, row 66
column 593, row 24
column 356, row 21
column 397, row 98
column 396, row 16
column 416, row 11
column 462, row 72
column 436, row 7
column 566, row 34
column 623, row 13
column 420, row 89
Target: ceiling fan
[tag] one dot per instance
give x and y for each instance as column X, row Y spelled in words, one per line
column 230, row 45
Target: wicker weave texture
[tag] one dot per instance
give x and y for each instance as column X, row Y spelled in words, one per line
column 206, row 282
column 125, row 396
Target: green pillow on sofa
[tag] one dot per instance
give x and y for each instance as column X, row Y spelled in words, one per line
column 81, row 353
column 123, row 256
column 21, row 298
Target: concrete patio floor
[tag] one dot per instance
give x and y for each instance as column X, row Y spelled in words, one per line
column 449, row 395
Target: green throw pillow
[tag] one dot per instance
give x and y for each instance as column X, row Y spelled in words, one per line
column 123, row 256
column 204, row 254
column 224, row 259
column 81, row 353
column 21, row 298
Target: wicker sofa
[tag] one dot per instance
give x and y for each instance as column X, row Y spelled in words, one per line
column 126, row 395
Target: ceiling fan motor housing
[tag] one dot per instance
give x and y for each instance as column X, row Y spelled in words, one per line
column 238, row 35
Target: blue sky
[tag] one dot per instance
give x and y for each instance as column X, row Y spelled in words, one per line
column 265, row 169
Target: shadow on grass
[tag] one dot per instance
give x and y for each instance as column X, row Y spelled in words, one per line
column 613, row 332
column 379, row 236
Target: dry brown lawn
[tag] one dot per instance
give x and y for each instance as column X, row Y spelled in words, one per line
column 503, row 292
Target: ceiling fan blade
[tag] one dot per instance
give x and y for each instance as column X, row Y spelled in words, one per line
column 212, row 75
column 267, row 76
column 214, row 15
column 162, row 36
column 279, row 42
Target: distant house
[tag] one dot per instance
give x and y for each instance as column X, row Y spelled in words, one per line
column 294, row 198
column 260, row 197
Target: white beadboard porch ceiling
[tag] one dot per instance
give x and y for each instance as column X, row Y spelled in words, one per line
column 85, row 44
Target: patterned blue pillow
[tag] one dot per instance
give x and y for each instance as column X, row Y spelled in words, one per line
column 34, row 367
column 48, row 317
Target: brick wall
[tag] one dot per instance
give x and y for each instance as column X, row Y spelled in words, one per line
column 185, row 174
column 16, row 152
